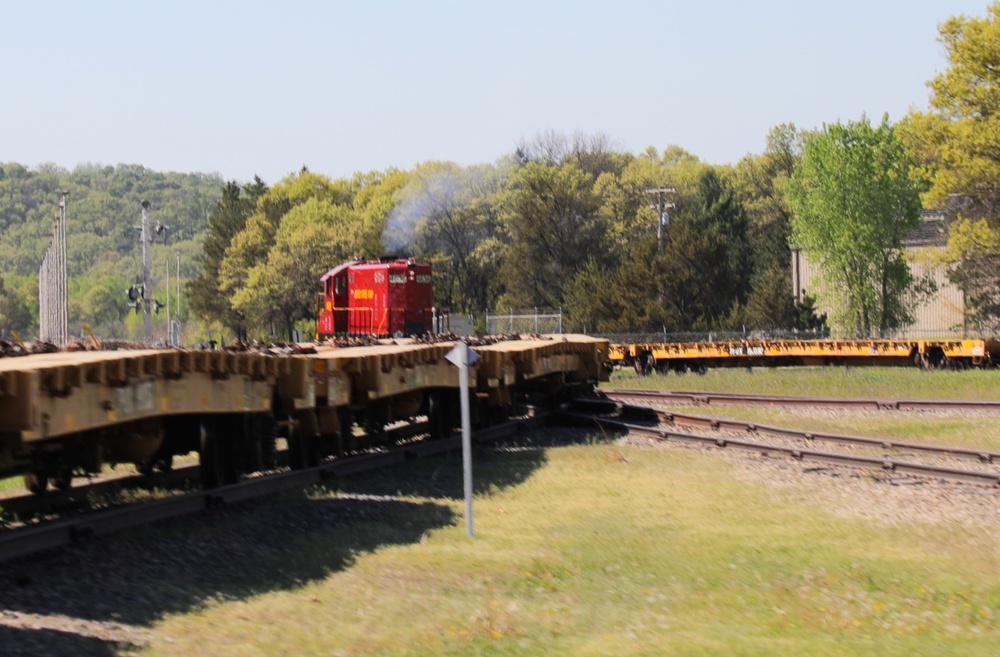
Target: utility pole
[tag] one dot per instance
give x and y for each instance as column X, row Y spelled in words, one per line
column 63, row 277
column 142, row 295
column 170, row 333
column 147, row 276
column 663, row 217
column 175, row 328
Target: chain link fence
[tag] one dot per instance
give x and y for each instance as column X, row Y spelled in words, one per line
column 525, row 321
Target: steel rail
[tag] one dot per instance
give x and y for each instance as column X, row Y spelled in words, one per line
column 887, row 464
column 725, row 398
column 61, row 532
column 82, row 498
column 723, row 424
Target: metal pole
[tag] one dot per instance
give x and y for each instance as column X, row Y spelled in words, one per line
column 43, row 298
column 177, row 321
column 463, row 383
column 170, row 337
column 57, row 336
column 147, row 278
column 63, row 275
column 462, row 357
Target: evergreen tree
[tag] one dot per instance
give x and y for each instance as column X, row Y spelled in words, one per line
column 229, row 218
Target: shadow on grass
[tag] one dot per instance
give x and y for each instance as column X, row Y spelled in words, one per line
column 15, row 641
column 85, row 600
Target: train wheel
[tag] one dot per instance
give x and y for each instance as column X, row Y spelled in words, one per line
column 159, row 462
column 63, row 479
column 303, row 447
column 345, row 437
column 437, row 415
column 296, row 458
column 268, row 443
column 216, row 467
column 37, row 481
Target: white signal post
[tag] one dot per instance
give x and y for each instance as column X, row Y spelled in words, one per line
column 462, row 357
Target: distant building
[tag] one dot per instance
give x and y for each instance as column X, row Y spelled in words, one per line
column 940, row 315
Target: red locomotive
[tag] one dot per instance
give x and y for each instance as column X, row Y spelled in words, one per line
column 388, row 297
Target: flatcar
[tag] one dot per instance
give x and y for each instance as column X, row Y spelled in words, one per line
column 391, row 297
column 71, row 412
column 698, row 357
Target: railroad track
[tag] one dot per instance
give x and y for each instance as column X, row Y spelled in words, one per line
column 54, row 533
column 861, row 452
column 725, row 398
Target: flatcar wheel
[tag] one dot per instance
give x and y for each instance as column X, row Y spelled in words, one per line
column 63, row 479
column 212, row 457
column 158, row 463
column 268, row 446
column 437, row 415
column 303, row 448
column 37, row 481
column 345, row 438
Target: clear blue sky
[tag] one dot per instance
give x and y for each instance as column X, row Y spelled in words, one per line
column 254, row 87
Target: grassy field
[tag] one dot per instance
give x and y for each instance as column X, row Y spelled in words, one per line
column 879, row 382
column 600, row 549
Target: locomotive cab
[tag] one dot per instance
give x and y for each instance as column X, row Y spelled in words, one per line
column 333, row 310
column 390, row 297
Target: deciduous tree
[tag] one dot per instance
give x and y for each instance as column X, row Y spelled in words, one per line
column 552, row 217
column 957, row 144
column 853, row 201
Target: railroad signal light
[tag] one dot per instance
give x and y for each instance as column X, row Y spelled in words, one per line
column 156, row 306
column 136, row 292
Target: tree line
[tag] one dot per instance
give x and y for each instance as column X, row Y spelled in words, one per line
column 563, row 222
column 104, row 255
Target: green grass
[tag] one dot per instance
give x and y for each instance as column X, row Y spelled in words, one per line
column 606, row 550
column 12, row 483
column 880, row 382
